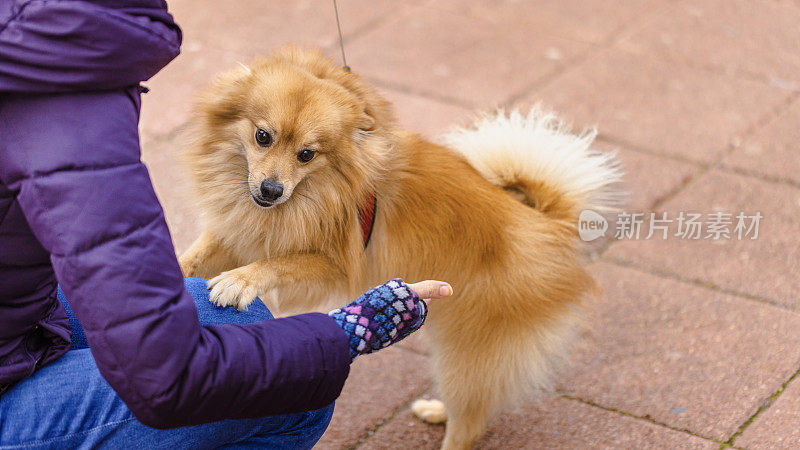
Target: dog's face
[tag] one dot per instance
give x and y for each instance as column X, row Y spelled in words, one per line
column 292, row 128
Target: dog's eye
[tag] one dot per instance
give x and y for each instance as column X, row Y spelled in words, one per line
column 263, row 138
column 306, row 155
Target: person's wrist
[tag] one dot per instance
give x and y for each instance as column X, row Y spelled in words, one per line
column 353, row 341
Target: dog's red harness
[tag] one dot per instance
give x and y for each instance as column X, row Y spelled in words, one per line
column 366, row 215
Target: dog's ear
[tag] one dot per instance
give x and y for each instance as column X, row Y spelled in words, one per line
column 376, row 110
column 224, row 98
column 365, row 121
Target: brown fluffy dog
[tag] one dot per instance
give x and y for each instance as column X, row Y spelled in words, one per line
column 286, row 150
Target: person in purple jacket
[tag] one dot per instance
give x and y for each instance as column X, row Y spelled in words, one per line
column 138, row 357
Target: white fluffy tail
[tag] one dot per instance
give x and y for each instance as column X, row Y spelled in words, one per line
column 541, row 162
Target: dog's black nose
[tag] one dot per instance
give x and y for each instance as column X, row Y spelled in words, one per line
column 271, row 190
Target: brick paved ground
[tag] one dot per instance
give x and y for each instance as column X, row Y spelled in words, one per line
column 693, row 343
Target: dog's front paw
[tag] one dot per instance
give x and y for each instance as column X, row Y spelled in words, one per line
column 233, row 288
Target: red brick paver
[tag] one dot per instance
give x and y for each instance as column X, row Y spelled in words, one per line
column 778, row 426
column 690, row 339
column 556, row 423
column 755, row 267
column 649, row 178
column 501, row 61
column 681, row 355
column 162, row 158
column 594, row 21
column 378, row 385
column 438, row 116
column 712, row 33
column 773, row 150
column 660, row 106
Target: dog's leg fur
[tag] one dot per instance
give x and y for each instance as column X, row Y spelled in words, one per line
column 470, row 387
column 489, row 361
column 206, row 258
column 240, row 286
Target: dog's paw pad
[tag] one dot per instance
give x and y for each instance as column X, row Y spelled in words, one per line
column 431, row 411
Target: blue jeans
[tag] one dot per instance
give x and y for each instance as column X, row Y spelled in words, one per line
column 68, row 404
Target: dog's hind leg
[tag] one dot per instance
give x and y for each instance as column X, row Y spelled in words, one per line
column 499, row 363
column 431, row 411
column 464, row 426
column 471, row 389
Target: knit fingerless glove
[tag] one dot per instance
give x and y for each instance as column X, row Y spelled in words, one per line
column 380, row 317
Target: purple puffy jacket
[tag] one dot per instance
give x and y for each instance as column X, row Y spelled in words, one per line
column 77, row 207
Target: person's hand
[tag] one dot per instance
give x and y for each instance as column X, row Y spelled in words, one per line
column 386, row 313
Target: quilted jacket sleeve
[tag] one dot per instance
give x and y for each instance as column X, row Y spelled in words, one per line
column 89, row 45
column 74, row 158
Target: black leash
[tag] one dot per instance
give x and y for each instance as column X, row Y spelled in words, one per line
column 341, row 41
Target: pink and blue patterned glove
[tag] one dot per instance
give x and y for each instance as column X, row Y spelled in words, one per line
column 380, row 317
